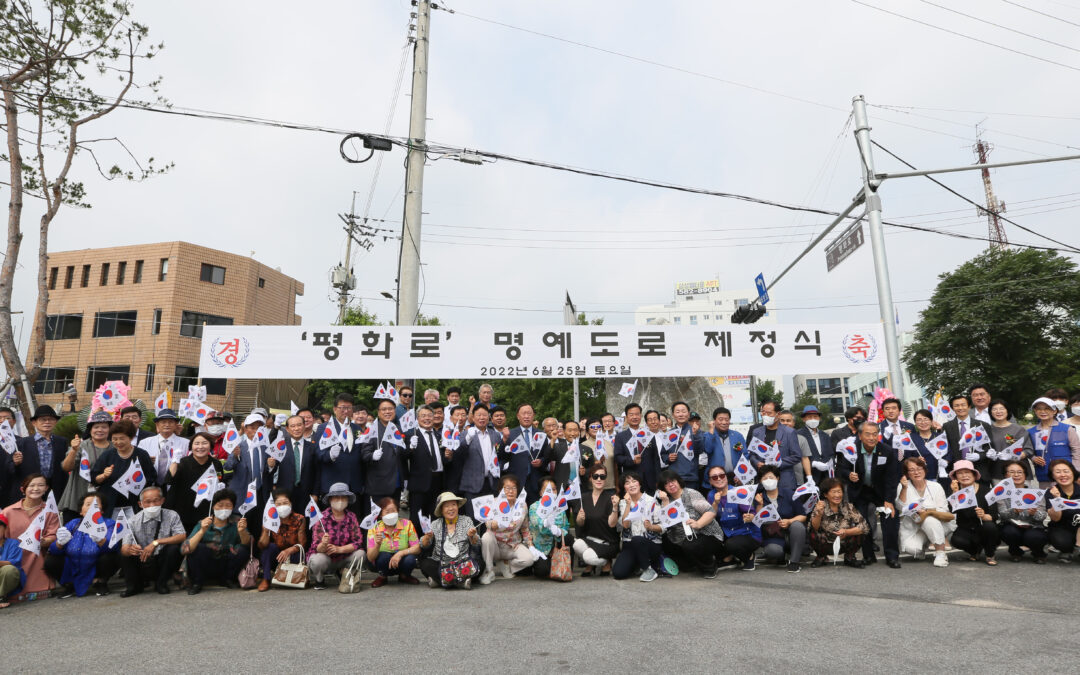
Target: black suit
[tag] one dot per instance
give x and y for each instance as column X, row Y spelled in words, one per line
column 425, row 478
column 381, row 477
column 952, row 434
column 299, row 491
column 880, row 490
column 31, row 463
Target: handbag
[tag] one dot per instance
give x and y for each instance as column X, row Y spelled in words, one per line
column 455, row 571
column 561, row 569
column 249, row 576
column 350, row 577
column 290, row 574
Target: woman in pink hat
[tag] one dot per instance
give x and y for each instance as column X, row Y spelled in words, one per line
column 977, row 528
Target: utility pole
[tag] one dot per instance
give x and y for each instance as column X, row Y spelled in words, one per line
column 409, row 264
column 998, row 238
column 570, row 319
column 342, row 277
column 877, row 242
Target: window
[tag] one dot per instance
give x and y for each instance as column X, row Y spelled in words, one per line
column 54, row 380
column 137, row 279
column 830, row 385
column 63, row 327
column 114, row 324
column 213, row 274
column 104, row 274
column 52, row 278
column 99, row 375
column 706, row 317
column 186, row 376
column 650, row 321
column 163, row 269
column 693, row 319
column 69, row 275
column 155, row 326
column 191, row 324
column 678, row 319
column 811, row 386
column 85, row 276
column 262, row 282
column 121, row 272
column 215, row 386
column 149, row 377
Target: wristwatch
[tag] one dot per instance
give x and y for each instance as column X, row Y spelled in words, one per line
column 154, row 543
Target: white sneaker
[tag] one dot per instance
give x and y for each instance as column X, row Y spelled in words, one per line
column 940, row 559
column 487, row 577
column 504, row 570
column 648, row 575
column 432, row 583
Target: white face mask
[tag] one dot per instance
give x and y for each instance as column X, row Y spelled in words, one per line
column 222, row 514
column 339, row 504
column 1076, row 410
column 390, row 519
column 284, row 511
column 768, row 420
column 152, row 511
column 769, row 484
column 1060, row 405
column 216, row 429
column 812, row 423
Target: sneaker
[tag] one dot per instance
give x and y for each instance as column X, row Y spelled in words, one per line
column 101, row 589
column 504, row 569
column 319, row 585
column 468, row 584
column 710, row 572
column 670, row 567
column 940, row 559
column 65, row 592
column 648, row 575
column 794, row 567
column 748, row 566
column 487, row 577
column 432, row 583
column 1065, row 558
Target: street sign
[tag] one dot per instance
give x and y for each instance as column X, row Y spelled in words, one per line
column 762, row 294
column 843, row 246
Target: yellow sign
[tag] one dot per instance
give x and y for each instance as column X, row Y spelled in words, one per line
column 695, row 287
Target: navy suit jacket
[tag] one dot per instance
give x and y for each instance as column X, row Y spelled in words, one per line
column 827, row 451
column 381, row 476
column 884, row 476
column 347, row 468
column 299, row 492
column 31, row 463
column 520, row 464
column 243, row 472
column 471, row 458
column 790, row 453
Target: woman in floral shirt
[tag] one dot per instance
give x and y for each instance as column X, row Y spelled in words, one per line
column 547, row 532
column 392, row 545
column 835, row 517
column 336, row 540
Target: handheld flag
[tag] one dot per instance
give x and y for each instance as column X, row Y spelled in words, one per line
column 451, row 437
column 772, row 457
column 196, row 393
column 93, row 523
column 380, row 393
column 903, row 442
column 758, row 447
column 517, row 446
column 271, row 520
column 938, row 446
column 635, row 512
column 484, row 508
column 573, row 490
column 742, row 494
column 1062, row 504
column 132, row 481
column 848, row 450
column 628, row 389
column 231, row 438
column 561, row 502
column 911, row 510
column 1013, row 451
column 573, row 454
column 186, row 406
column 161, row 402
column 425, row 522
column 7, row 438
column 250, row 499
column 807, row 488
column 601, row 446
column 199, row 413
column 392, row 394
column 120, row 527
column 545, row 506
column 328, row 438
column 744, row 473
column 206, row 486
column 962, row 499
column 30, row 539
column 393, row 435
column 1027, row 498
column 671, row 438
column 767, row 514
column 1002, row 490
column 50, row 504
column 408, row 420
column 293, row 409
column 673, row 514
column 686, row 448
column 279, row 448
column 538, row 440
column 312, row 512
column 111, row 394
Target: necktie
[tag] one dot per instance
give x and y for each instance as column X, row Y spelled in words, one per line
column 728, row 468
column 963, row 427
column 296, row 452
column 433, row 447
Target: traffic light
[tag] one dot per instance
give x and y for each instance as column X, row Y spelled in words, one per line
column 748, row 314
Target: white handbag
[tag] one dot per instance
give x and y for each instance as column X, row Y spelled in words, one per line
column 290, row 574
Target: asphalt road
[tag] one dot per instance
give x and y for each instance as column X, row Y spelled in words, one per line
column 875, row 620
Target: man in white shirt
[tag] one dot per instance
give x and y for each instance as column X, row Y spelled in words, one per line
column 980, row 403
column 166, row 447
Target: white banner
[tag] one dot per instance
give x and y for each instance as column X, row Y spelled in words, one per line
column 370, row 352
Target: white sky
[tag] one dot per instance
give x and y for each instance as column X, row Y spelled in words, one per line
column 613, row 246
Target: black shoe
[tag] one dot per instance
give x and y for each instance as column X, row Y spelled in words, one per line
column 793, row 567
column 162, row 589
column 872, row 560
column 101, row 589
column 852, row 562
column 748, row 566
column 818, row 562
column 232, row 584
column 128, row 592
column 195, row 589
column 710, row 572
column 65, row 592
column 893, row 563
column 877, row 549
column 319, row 585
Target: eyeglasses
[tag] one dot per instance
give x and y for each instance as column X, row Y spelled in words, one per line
column 718, row 476
column 599, row 476
column 406, row 395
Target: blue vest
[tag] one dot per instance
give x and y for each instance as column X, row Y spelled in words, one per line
column 1057, row 447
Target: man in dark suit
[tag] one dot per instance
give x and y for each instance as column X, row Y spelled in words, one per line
column 530, row 464
column 960, row 425
column 892, row 427
column 40, row 452
column 649, row 466
column 341, row 462
column 423, row 454
column 818, row 442
column 299, row 471
column 382, row 458
column 872, row 483
column 625, row 443
column 478, row 459
column 774, row 433
column 247, row 463
column 458, row 415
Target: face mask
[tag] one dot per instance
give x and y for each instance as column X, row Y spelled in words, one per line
column 813, row 424
column 1060, row 405
column 1076, row 410
column 200, row 429
column 339, row 504
column 284, row 511
column 857, row 421
column 216, row 429
column 769, row 484
column 768, row 420
column 152, row 511
column 390, row 519
column 222, row 514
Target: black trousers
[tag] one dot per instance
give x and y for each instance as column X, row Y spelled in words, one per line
column 741, row 546
column 542, row 567
column 700, row 552
column 157, row 568
column 424, row 502
column 1062, row 538
column 984, row 539
column 204, row 564
column 890, row 531
column 107, row 565
column 1034, row 538
column 637, row 554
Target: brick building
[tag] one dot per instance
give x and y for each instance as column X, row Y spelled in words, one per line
column 136, row 313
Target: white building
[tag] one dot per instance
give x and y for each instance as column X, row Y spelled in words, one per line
column 699, row 303
column 830, row 389
column 861, row 386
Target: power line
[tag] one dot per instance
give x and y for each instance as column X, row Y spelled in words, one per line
column 998, row 25
column 994, row 131
column 899, row 108
column 967, row 37
column 1051, row 16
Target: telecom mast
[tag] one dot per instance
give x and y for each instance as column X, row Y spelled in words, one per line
column 998, row 238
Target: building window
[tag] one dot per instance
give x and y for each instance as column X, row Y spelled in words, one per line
column 215, row 386
column 212, row 274
column 706, row 317
column 104, row 274
column 85, row 276
column 63, row 327
column 121, row 272
column 678, row 319
column 186, row 376
column 650, row 321
column 191, row 324
column 155, row 326
column 69, row 276
column 262, row 282
column 149, row 377
column 114, row 324
column 99, row 375
column 137, row 279
column 693, row 319
column 54, row 380
column 163, row 269
column 52, row 278
column 811, row 386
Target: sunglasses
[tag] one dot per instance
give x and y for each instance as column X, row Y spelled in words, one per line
column 599, row 476
column 718, row 476
column 594, row 426
column 406, row 395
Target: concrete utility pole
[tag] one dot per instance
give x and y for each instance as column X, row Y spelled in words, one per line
column 343, row 279
column 877, row 242
column 409, row 266
column 570, row 319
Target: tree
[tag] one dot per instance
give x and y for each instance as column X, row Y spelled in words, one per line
column 1004, row 318
column 766, row 390
column 807, row 398
column 57, row 61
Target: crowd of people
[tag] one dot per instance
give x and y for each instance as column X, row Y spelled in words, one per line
column 648, row 494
